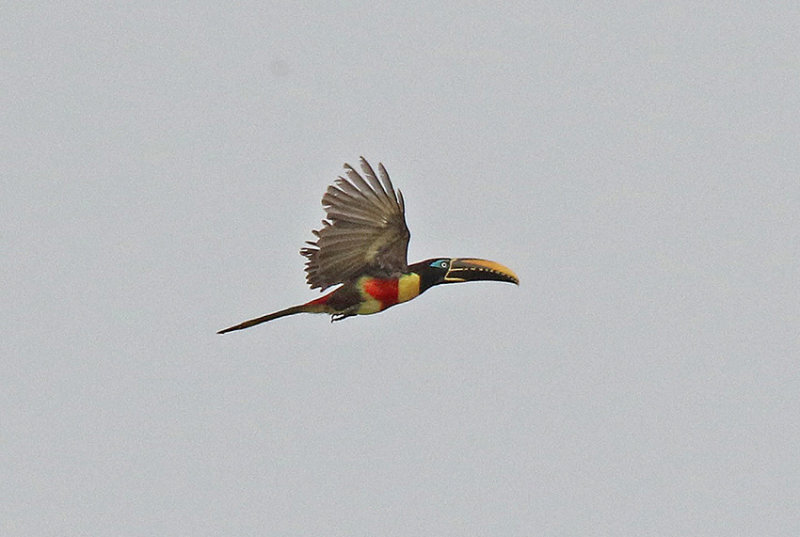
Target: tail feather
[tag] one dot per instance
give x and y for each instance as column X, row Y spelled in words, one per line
column 283, row 313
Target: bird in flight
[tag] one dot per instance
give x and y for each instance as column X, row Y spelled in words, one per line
column 362, row 245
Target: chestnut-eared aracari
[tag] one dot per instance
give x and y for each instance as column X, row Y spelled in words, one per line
column 362, row 245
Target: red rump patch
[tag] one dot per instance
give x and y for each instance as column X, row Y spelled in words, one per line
column 322, row 299
column 385, row 291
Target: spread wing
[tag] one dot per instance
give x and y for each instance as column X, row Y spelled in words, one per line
column 365, row 230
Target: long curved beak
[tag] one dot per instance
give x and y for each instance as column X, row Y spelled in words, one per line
column 471, row 269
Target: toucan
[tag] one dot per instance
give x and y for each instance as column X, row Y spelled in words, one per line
column 362, row 247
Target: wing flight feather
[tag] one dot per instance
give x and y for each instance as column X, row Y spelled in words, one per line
column 364, row 231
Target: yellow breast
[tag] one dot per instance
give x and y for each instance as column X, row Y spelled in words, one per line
column 407, row 287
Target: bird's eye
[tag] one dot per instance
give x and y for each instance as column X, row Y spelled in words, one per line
column 443, row 264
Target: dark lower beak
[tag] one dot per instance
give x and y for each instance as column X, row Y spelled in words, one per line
column 470, row 270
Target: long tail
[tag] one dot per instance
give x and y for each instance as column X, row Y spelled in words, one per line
column 283, row 313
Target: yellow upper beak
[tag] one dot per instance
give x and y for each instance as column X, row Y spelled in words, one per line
column 472, row 269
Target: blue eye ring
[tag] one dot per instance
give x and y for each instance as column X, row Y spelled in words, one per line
column 440, row 263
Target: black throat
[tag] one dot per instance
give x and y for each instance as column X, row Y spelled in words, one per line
column 428, row 276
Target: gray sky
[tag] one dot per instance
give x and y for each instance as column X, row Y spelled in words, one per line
column 637, row 166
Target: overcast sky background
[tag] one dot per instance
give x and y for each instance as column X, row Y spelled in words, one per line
column 637, row 166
